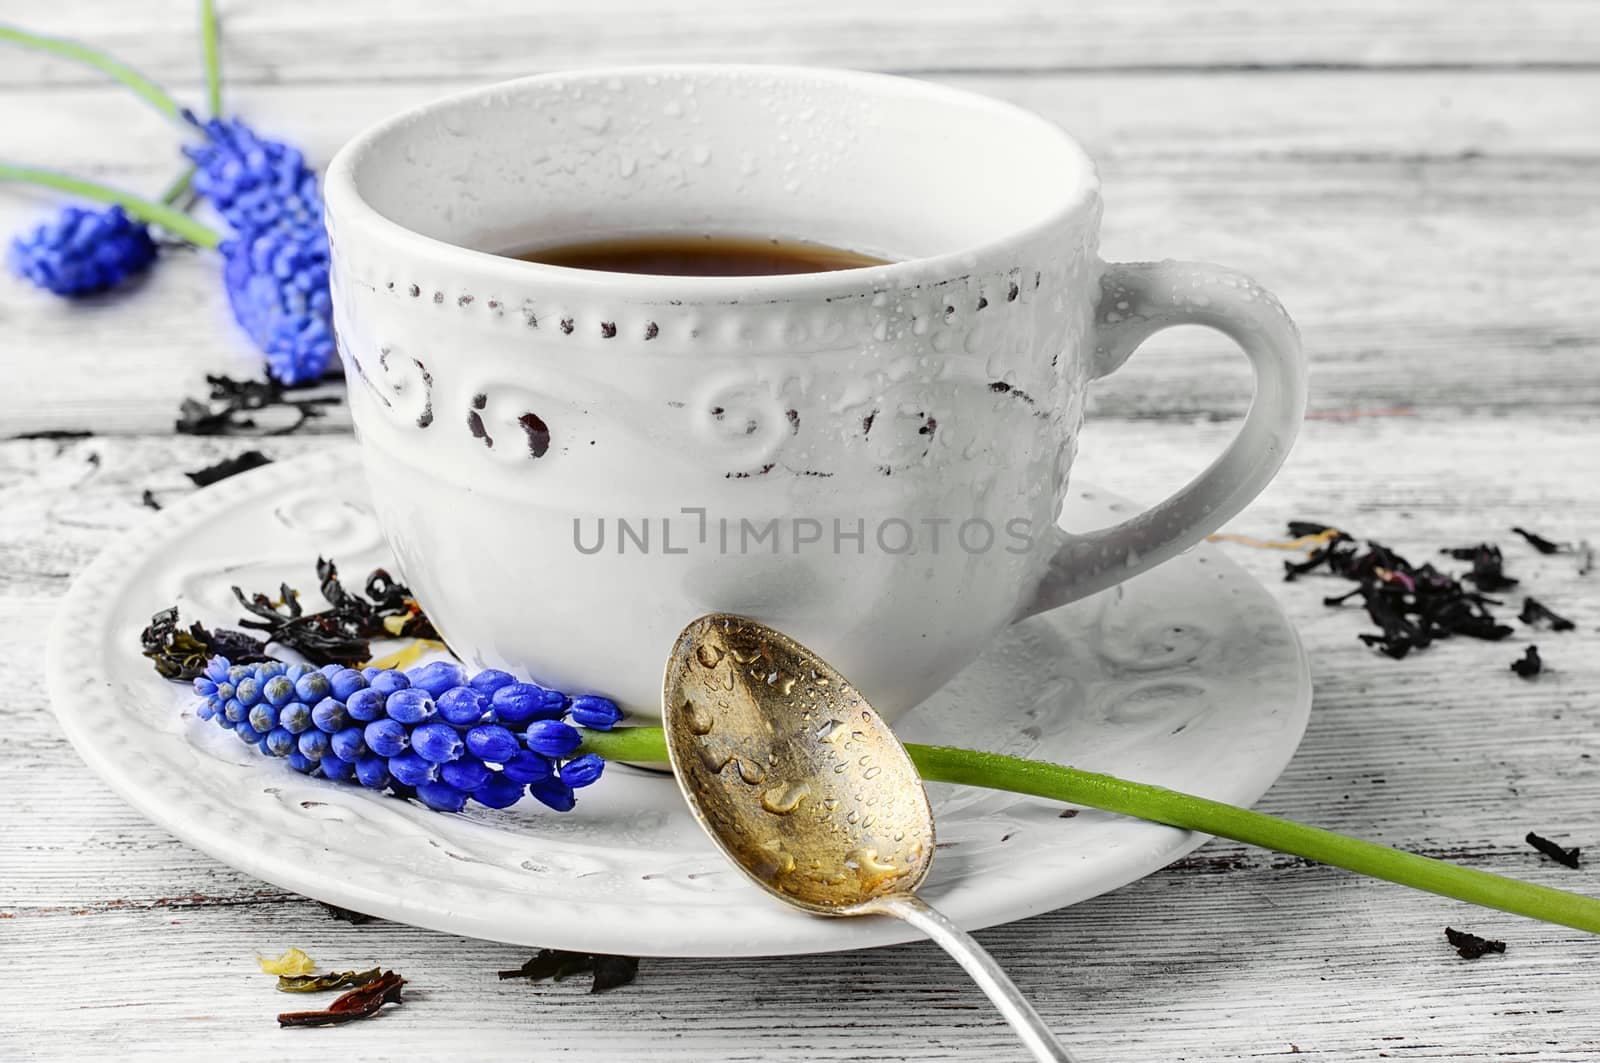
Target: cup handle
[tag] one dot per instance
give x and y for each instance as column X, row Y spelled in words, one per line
column 1137, row 300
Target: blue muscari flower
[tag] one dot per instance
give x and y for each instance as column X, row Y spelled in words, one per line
column 80, row 251
column 432, row 733
column 595, row 713
column 520, row 702
column 462, row 706
column 277, row 283
column 553, row 792
column 552, row 738
column 256, row 184
column 410, row 706
column 582, row 771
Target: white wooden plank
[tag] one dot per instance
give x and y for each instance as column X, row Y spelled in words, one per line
column 1430, row 259
column 302, row 40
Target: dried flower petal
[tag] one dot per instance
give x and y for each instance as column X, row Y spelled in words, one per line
column 293, row 962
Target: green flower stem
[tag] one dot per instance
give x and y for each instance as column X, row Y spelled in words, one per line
column 146, row 89
column 179, row 188
column 1070, row 785
column 208, row 40
column 172, row 220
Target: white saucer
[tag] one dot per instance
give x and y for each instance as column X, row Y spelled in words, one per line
column 1189, row 676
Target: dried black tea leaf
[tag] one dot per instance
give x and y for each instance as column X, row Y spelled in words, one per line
column 228, row 409
column 347, row 915
column 1471, row 946
column 1412, row 605
column 1562, row 856
column 148, row 499
column 1539, row 542
column 609, row 971
column 181, row 654
column 1488, row 566
column 1534, row 612
column 316, row 983
column 342, row 633
column 359, row 1003
column 1529, row 664
column 250, row 459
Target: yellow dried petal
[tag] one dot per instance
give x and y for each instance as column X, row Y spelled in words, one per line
column 1305, row 542
column 292, row 962
column 408, row 655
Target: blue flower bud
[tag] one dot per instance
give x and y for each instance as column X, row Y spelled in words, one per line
column 462, row 706
column 330, row 670
column 313, row 744
column 329, row 715
column 234, row 712
column 236, row 672
column 204, row 687
column 528, row 767
column 267, row 669
column 296, row 671
column 520, row 702
column 436, row 677
column 413, row 770
column 365, row 705
column 312, row 688
column 336, row 767
column 246, row 733
column 467, row 773
column 491, row 679
column 409, row 706
column 441, row 796
column 279, row 690
column 594, row 712
column 263, row 717
column 217, row 669
column 295, row 716
column 346, row 682
column 301, row 763
column 555, row 793
column 583, row 770
column 491, row 742
column 207, row 709
column 437, row 742
column 372, row 771
column 281, row 742
column 552, row 738
column 385, row 681
column 499, row 792
column 224, row 690
column 248, row 690
column 349, row 744
column 81, row 251
column 387, row 738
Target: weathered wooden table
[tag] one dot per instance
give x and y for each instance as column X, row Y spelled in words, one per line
column 1421, row 185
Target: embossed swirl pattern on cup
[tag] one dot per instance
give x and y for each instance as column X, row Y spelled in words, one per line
column 879, row 393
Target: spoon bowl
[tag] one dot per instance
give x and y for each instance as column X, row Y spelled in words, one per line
column 791, row 772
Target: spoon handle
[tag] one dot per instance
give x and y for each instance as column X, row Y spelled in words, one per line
column 989, row 975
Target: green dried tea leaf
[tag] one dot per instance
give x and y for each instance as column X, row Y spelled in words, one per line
column 359, row 1003
column 314, row 983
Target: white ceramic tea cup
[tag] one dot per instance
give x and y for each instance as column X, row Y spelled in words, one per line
column 570, row 465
